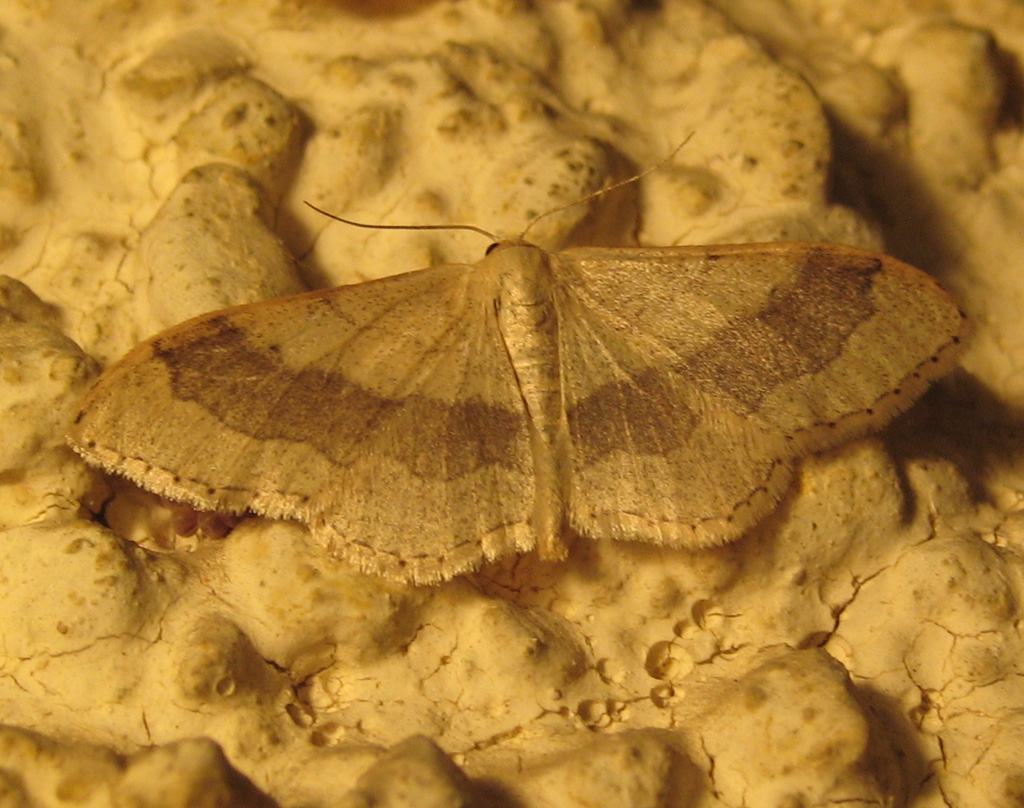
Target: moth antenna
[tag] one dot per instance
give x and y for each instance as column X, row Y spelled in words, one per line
column 474, row 229
column 470, row 227
column 607, row 189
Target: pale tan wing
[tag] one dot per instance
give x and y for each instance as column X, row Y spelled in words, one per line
column 694, row 378
column 384, row 414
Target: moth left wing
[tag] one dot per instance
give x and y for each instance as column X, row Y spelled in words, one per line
column 385, row 414
column 693, row 378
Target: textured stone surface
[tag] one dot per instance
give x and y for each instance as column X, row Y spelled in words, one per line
column 861, row 645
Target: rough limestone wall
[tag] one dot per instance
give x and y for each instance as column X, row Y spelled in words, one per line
column 861, row 647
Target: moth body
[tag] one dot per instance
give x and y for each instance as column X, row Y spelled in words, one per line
column 528, row 324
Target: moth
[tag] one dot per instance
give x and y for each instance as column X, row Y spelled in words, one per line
column 423, row 423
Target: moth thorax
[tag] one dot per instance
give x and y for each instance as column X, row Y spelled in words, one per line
column 529, row 328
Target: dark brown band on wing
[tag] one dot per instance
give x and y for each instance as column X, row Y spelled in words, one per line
column 255, row 394
column 802, row 330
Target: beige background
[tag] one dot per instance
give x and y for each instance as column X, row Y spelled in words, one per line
column 862, row 646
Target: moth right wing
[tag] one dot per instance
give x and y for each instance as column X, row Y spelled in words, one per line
column 694, row 377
